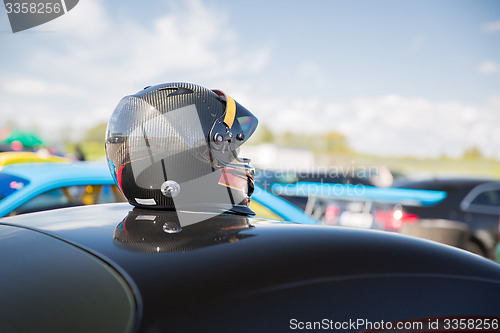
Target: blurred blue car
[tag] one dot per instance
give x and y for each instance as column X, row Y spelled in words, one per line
column 31, row 187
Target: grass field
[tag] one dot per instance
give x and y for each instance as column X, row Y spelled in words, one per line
column 425, row 167
column 440, row 167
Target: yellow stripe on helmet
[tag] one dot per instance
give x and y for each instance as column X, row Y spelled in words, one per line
column 230, row 108
column 230, row 111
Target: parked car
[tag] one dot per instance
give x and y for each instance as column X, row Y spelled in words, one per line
column 43, row 186
column 265, row 178
column 475, row 202
column 352, row 205
column 268, row 205
column 115, row 268
column 32, row 187
column 15, row 157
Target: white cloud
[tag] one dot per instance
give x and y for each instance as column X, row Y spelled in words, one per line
column 493, row 26
column 93, row 58
column 87, row 20
column 393, row 124
column 74, row 78
column 311, row 71
column 489, row 67
column 27, row 87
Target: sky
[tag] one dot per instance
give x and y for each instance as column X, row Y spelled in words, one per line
column 415, row 77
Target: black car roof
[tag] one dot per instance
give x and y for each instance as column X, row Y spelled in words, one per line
column 218, row 266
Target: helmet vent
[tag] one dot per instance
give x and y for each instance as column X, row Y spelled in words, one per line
column 177, row 91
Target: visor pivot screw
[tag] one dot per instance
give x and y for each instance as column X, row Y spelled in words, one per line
column 171, row 228
column 218, row 138
column 170, row 189
column 240, row 136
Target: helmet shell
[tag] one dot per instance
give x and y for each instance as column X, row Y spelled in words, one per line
column 160, row 153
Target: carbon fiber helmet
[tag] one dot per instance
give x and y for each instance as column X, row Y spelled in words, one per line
column 175, row 146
